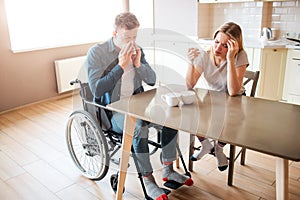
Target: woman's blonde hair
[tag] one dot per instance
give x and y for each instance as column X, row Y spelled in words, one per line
column 234, row 31
column 126, row 20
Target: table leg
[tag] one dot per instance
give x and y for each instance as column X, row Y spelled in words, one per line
column 177, row 159
column 191, row 151
column 282, row 179
column 231, row 165
column 129, row 126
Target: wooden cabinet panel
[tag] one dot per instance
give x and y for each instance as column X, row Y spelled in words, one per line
column 177, row 15
column 254, row 58
column 291, row 90
column 224, row 1
column 231, row 1
column 273, row 62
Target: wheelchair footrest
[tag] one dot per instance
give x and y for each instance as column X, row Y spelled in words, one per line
column 172, row 184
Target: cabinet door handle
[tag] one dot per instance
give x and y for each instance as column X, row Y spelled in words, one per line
column 295, row 58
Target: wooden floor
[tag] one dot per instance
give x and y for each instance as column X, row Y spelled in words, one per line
column 35, row 165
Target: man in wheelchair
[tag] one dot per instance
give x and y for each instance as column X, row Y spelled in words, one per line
column 116, row 69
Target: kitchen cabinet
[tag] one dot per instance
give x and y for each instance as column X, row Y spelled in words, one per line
column 254, row 55
column 224, row 1
column 232, row 1
column 273, row 63
column 272, row 0
column 291, row 90
column 174, row 34
column 177, row 15
column 171, row 62
column 253, row 58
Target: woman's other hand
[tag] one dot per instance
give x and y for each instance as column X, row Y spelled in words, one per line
column 192, row 54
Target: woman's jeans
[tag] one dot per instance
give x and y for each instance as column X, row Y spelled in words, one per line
column 140, row 142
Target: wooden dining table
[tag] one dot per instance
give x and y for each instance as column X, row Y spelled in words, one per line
column 261, row 125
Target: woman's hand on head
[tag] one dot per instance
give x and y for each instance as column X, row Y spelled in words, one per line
column 192, row 54
column 233, row 48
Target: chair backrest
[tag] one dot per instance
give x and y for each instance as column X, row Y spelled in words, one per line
column 99, row 113
column 251, row 76
column 85, row 92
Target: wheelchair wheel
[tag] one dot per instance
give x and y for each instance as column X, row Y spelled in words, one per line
column 87, row 145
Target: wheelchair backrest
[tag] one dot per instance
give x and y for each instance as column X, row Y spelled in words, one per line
column 99, row 113
column 86, row 93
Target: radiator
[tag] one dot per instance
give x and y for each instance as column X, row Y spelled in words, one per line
column 69, row 69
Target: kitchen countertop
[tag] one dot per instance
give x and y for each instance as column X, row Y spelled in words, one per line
column 256, row 43
column 289, row 46
column 265, row 44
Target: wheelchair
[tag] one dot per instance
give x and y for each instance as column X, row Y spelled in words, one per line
column 92, row 143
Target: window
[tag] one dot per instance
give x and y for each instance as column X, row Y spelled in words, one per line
column 143, row 11
column 40, row 24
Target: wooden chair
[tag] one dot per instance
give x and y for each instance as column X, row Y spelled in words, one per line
column 250, row 77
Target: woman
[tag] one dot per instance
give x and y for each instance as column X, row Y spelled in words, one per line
column 223, row 68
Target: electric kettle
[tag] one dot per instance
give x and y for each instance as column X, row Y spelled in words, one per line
column 266, row 33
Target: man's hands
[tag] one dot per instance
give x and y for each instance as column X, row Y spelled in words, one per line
column 129, row 52
column 136, row 56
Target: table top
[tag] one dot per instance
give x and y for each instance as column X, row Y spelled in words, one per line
column 266, row 126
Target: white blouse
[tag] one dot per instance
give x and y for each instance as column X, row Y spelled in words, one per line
column 214, row 76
